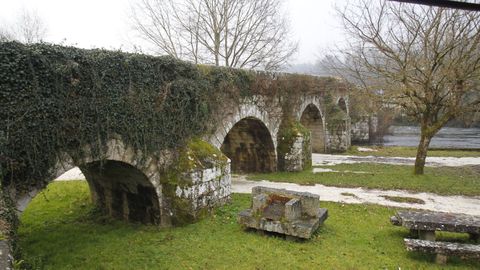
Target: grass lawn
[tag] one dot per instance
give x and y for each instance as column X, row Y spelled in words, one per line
column 403, row 151
column 60, row 230
column 440, row 180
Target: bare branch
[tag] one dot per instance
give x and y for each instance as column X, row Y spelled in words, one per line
column 425, row 60
column 234, row 33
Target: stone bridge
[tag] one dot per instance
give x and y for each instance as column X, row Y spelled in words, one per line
column 52, row 96
column 128, row 185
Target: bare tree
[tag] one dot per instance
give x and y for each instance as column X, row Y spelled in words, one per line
column 233, row 33
column 5, row 35
column 30, row 27
column 425, row 60
column 27, row 28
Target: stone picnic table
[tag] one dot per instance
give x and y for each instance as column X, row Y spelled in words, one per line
column 424, row 224
column 296, row 215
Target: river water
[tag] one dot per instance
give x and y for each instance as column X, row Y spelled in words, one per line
column 447, row 137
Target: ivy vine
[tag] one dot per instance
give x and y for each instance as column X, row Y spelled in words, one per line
column 56, row 99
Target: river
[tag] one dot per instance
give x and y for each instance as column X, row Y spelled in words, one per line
column 447, row 137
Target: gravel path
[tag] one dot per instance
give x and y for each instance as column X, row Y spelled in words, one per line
column 330, row 160
column 433, row 202
column 457, row 204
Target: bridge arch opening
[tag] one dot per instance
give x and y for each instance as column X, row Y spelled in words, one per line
column 342, row 104
column 122, row 191
column 250, row 147
column 312, row 119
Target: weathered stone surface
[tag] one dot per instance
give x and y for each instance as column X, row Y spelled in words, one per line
column 250, row 146
column 309, row 201
column 302, row 228
column 122, row 191
column 339, row 140
column 438, row 221
column 299, row 156
column 293, row 210
column 364, row 129
column 133, row 190
column 312, row 119
column 259, row 202
column 204, row 188
column 361, row 130
column 287, row 212
column 444, row 248
column 244, row 132
column 5, row 255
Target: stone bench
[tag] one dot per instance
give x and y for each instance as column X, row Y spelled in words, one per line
column 424, row 224
column 291, row 213
column 443, row 249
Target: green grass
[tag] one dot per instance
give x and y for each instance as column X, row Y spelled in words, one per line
column 440, row 180
column 61, row 230
column 402, row 151
column 348, row 194
column 401, row 199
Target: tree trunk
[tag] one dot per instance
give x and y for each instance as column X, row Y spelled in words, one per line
column 422, row 153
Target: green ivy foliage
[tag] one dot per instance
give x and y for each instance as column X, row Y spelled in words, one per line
column 56, row 99
column 335, row 116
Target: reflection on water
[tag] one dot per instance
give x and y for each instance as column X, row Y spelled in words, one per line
column 448, row 137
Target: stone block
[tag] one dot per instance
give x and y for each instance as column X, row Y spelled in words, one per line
column 259, row 202
column 293, row 209
column 5, row 255
column 282, row 211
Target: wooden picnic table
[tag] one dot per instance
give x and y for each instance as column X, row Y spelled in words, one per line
column 424, row 224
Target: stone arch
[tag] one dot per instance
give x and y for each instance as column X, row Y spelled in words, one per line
column 306, row 101
column 122, row 191
column 63, row 164
column 139, row 178
column 124, row 183
column 342, row 103
column 250, row 147
column 312, row 119
column 244, row 110
column 311, row 115
column 339, row 140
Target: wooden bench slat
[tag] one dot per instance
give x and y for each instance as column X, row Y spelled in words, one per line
column 445, row 248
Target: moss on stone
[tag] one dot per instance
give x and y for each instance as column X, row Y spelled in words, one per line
column 289, row 131
column 199, row 154
column 336, row 117
column 8, row 221
column 196, row 155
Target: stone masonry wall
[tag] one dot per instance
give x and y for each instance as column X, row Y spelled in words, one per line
column 361, row 130
column 5, row 232
column 250, row 147
column 299, row 156
column 205, row 188
column 122, row 191
column 339, row 140
column 312, row 120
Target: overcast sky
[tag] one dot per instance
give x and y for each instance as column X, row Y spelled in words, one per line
column 104, row 23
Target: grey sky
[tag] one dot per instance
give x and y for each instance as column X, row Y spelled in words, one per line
column 104, row 23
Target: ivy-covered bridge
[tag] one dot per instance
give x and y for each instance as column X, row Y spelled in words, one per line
column 156, row 138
